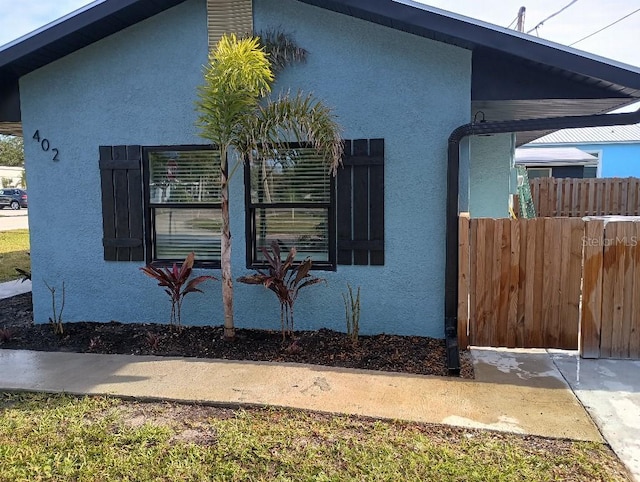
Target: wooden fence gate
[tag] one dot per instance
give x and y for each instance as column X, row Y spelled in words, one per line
column 538, row 283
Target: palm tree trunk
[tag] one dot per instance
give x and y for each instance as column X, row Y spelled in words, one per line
column 225, row 251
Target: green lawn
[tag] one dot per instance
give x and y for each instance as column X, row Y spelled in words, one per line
column 14, row 246
column 62, row 438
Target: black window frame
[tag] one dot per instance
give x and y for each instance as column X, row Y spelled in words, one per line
column 149, row 207
column 252, row 260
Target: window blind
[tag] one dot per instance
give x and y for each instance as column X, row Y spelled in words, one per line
column 184, row 176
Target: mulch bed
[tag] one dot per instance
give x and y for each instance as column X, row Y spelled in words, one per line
column 408, row 354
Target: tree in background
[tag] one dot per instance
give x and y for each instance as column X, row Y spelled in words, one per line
column 236, row 115
column 11, row 151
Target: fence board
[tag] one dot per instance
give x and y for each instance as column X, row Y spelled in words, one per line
column 572, row 291
column 561, row 294
column 492, row 237
column 575, row 200
column 463, row 281
column 634, row 337
column 621, row 348
column 615, row 196
column 609, row 280
column 632, row 197
column 480, row 286
column 548, row 279
column 529, row 276
column 473, row 279
column 592, row 198
column 535, row 324
column 619, row 275
column 545, row 200
column 591, row 319
column 567, row 198
column 514, row 286
column 503, row 286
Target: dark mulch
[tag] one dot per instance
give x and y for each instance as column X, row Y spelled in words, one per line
column 409, row 354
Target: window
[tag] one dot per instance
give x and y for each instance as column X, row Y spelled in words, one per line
column 534, row 173
column 289, row 199
column 182, row 199
column 160, row 203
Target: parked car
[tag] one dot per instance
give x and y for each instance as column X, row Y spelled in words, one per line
column 13, row 197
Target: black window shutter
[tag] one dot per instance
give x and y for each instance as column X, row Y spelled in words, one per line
column 360, row 203
column 122, row 215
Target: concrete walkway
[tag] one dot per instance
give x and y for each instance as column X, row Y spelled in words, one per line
column 610, row 391
column 539, row 403
column 13, row 288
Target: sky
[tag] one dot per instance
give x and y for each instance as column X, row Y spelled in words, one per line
column 620, row 42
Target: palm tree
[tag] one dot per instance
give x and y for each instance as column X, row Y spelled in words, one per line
column 236, row 115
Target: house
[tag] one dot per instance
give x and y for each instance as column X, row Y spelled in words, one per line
column 616, row 149
column 11, row 176
column 558, row 162
column 432, row 106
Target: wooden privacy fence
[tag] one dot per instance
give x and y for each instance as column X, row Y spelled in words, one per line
column 532, row 283
column 610, row 322
column 586, row 197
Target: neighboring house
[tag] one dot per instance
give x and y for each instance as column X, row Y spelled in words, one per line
column 106, row 97
column 11, row 176
column 616, row 148
column 558, row 162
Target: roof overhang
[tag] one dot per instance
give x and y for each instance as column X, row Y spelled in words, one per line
column 60, row 38
column 512, row 72
column 549, row 156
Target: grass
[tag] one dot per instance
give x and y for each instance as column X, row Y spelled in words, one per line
column 14, row 246
column 60, row 438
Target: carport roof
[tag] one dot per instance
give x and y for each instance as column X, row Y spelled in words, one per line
column 511, row 71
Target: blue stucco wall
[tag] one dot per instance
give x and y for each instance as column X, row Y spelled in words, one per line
column 138, row 87
column 491, row 159
column 616, row 159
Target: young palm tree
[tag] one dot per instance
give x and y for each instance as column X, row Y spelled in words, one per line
column 235, row 114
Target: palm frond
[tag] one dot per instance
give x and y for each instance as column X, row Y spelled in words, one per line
column 281, row 48
column 237, row 77
column 299, row 118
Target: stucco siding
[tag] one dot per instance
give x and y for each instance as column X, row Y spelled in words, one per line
column 139, row 86
column 135, row 87
column 491, row 158
column 618, row 160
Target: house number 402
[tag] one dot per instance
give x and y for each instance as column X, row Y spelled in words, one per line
column 45, row 145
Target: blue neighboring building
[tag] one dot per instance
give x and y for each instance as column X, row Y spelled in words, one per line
column 617, row 149
column 105, row 97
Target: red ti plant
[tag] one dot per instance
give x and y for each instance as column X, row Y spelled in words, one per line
column 174, row 281
column 285, row 279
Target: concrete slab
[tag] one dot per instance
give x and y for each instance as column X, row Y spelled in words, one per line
column 10, row 219
column 495, row 400
column 610, row 391
column 15, row 287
